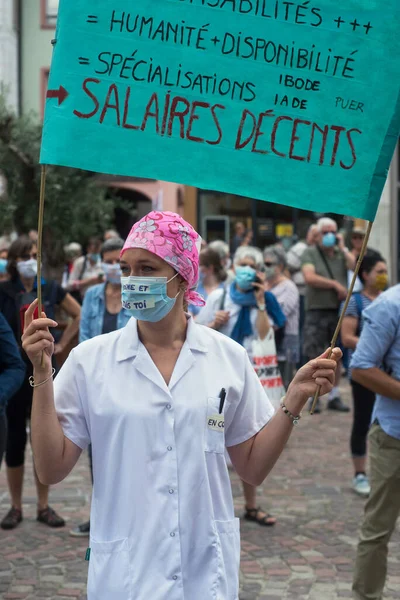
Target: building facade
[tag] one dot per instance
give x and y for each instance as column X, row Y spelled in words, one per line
column 218, row 212
column 9, row 40
column 38, row 25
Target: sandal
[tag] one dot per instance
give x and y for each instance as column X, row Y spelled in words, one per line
column 12, row 519
column 49, row 517
column 251, row 514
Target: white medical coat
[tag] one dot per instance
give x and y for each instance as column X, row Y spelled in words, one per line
column 162, row 520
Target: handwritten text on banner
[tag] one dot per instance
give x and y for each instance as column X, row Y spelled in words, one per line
column 287, row 101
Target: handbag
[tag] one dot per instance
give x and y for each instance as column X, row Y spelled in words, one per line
column 265, row 362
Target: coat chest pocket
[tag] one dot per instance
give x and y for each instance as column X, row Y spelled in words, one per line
column 109, row 571
column 214, row 428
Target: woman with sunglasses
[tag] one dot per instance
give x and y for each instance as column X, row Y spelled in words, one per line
column 159, row 400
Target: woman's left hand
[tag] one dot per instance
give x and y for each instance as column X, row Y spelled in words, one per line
column 318, row 372
column 259, row 288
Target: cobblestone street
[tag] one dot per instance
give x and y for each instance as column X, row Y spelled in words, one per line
column 308, row 555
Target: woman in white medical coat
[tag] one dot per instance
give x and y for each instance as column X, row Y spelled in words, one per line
column 159, row 400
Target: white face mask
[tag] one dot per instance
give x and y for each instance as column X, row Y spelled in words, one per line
column 112, row 273
column 27, row 268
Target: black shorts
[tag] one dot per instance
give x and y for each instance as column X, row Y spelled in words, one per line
column 319, row 327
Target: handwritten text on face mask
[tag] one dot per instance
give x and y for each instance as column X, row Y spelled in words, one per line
column 133, row 287
column 139, row 305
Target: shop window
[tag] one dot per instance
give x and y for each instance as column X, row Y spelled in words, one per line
column 49, row 11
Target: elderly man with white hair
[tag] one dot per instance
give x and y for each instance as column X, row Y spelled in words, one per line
column 325, row 268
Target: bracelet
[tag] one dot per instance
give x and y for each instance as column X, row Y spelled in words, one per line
column 35, row 385
column 287, row 412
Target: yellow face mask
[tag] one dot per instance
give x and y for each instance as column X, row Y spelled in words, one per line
column 381, row 282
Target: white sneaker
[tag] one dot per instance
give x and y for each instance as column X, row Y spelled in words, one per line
column 361, row 485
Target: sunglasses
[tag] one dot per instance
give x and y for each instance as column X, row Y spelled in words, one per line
column 270, row 264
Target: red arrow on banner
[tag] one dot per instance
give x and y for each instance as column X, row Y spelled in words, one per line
column 61, row 94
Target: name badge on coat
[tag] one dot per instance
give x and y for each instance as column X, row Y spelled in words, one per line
column 216, row 422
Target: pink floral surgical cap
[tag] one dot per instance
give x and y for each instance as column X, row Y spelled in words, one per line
column 169, row 237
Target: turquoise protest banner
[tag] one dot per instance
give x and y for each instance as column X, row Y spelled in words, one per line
column 290, row 102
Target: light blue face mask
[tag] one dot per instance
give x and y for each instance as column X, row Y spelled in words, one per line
column 112, row 273
column 329, row 239
column 146, row 298
column 3, row 266
column 245, row 277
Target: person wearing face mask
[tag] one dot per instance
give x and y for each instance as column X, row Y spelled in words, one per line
column 374, row 279
column 87, row 270
column 325, row 268
column 287, row 294
column 72, row 251
column 211, row 276
column 15, row 297
column 159, row 400
column 102, row 312
column 3, row 270
column 375, row 364
column 242, row 312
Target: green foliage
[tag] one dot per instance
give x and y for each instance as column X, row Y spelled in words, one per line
column 76, row 207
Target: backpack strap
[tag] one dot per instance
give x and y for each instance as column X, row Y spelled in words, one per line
column 359, row 303
column 327, row 265
column 223, row 298
column 83, row 267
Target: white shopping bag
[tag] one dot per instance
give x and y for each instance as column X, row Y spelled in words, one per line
column 265, row 363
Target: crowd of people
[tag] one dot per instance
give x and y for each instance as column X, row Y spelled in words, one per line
column 281, row 306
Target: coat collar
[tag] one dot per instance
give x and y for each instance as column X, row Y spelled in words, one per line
column 128, row 344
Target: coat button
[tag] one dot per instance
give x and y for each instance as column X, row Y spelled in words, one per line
column 175, row 577
column 169, row 407
column 172, row 534
column 171, row 491
column 169, row 448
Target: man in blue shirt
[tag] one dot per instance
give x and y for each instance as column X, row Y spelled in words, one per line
column 12, row 372
column 376, row 365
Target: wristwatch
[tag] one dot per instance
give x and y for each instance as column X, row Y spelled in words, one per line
column 261, row 307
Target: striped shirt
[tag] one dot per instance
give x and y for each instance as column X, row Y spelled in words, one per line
column 288, row 297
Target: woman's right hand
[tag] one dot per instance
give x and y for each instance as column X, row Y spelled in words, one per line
column 37, row 339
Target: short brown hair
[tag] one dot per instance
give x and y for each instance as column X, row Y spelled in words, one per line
column 211, row 258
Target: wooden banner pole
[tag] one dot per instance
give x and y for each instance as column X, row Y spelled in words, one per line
column 348, row 297
column 40, row 241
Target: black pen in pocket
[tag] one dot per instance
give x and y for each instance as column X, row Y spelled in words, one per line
column 222, row 396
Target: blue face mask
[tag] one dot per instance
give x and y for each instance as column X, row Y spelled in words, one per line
column 245, row 277
column 329, row 239
column 146, row 298
column 94, row 257
column 112, row 273
column 3, row 266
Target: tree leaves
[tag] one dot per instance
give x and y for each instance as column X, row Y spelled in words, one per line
column 76, row 208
